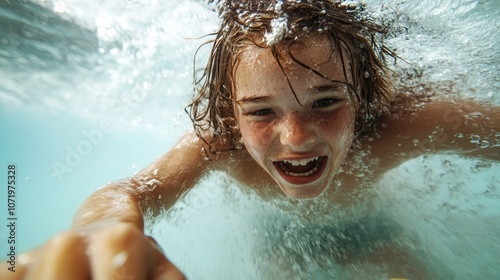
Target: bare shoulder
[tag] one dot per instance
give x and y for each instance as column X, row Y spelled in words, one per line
column 193, row 156
column 244, row 169
column 460, row 126
column 173, row 173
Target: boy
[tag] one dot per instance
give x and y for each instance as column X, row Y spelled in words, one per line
column 294, row 91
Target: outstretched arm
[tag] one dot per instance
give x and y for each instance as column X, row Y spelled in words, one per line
column 106, row 240
column 465, row 127
column 156, row 187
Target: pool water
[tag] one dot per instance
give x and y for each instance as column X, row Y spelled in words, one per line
column 94, row 91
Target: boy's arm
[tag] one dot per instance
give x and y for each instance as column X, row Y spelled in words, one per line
column 106, row 240
column 156, row 187
column 464, row 127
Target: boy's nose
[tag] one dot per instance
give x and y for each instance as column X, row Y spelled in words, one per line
column 297, row 133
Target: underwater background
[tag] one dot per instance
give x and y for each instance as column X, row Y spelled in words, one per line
column 93, row 91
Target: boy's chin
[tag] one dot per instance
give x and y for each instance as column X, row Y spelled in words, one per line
column 303, row 192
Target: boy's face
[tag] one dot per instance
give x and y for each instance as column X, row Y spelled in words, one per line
column 300, row 145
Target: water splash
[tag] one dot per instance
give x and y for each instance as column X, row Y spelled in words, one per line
column 101, row 60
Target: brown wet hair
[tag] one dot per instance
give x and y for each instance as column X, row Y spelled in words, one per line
column 244, row 22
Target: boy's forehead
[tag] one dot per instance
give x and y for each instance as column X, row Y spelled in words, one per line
column 315, row 51
column 311, row 49
column 259, row 73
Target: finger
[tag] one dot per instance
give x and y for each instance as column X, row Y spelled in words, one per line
column 19, row 269
column 161, row 268
column 63, row 257
column 117, row 253
column 13, row 271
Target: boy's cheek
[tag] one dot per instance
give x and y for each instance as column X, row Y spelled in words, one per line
column 255, row 134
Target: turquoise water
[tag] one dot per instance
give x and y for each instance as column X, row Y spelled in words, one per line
column 91, row 92
column 63, row 76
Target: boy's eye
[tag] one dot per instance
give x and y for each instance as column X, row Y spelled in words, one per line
column 325, row 102
column 261, row 112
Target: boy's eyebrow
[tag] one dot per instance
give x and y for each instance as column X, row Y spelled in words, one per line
column 254, row 99
column 327, row 88
column 337, row 87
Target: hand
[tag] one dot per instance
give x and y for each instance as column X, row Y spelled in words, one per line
column 112, row 252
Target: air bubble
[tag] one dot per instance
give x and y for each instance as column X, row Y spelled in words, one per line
column 136, row 121
column 114, row 51
column 484, row 144
column 475, row 139
column 119, row 259
column 24, row 259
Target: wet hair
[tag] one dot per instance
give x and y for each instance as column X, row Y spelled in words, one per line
column 357, row 39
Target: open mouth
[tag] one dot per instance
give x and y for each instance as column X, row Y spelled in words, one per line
column 301, row 171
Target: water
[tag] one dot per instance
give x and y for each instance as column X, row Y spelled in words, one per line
column 93, row 91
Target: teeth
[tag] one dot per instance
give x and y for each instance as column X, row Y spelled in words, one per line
column 302, row 174
column 301, row 162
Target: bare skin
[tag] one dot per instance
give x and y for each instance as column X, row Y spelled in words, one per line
column 107, row 241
